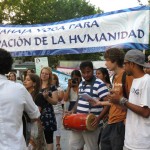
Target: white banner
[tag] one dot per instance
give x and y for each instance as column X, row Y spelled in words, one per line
column 127, row 28
column 40, row 62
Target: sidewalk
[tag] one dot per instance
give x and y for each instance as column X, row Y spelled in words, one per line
column 64, row 142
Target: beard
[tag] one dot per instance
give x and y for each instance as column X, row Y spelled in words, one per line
column 89, row 79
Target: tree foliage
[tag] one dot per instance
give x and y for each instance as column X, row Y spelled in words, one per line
column 44, row 11
column 54, row 60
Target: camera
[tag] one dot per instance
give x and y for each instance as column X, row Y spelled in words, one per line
column 74, row 81
column 49, row 92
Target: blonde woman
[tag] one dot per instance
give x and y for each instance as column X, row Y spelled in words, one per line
column 48, row 98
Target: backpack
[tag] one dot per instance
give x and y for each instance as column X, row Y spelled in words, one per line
column 123, row 84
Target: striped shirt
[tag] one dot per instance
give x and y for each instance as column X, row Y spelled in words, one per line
column 99, row 91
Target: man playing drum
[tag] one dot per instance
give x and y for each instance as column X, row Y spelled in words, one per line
column 97, row 90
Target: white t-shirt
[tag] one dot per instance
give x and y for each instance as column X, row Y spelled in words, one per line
column 73, row 96
column 58, row 106
column 137, row 133
column 14, row 99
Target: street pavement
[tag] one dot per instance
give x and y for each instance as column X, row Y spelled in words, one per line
column 65, row 134
column 64, row 142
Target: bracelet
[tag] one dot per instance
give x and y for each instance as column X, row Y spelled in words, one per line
column 123, row 100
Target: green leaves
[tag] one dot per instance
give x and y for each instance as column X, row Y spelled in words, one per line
column 46, row 11
column 43, row 11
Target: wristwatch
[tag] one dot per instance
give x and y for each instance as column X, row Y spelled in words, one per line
column 123, row 100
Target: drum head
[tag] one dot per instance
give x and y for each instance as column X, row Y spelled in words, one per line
column 90, row 118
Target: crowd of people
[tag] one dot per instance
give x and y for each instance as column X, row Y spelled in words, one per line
column 103, row 114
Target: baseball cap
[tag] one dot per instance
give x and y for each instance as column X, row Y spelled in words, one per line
column 137, row 57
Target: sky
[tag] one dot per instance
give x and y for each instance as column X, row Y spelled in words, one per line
column 111, row 5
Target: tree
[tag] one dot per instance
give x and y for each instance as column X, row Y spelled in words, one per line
column 44, row 11
column 140, row 3
column 54, row 60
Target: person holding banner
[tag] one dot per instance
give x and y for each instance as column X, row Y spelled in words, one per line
column 14, row 100
column 96, row 89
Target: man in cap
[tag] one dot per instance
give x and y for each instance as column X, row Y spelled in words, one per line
column 137, row 131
